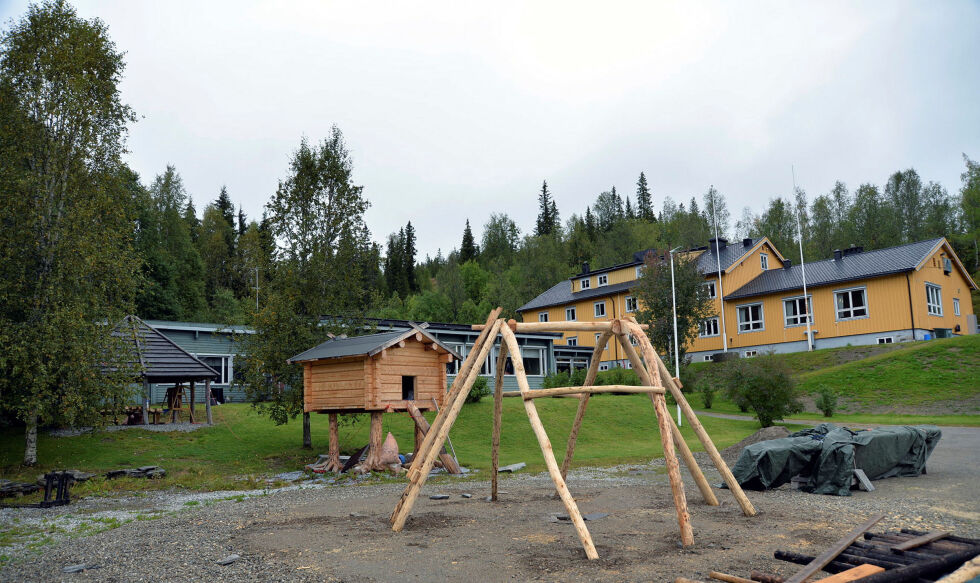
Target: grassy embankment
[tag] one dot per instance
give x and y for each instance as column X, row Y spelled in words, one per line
column 244, row 447
column 929, row 375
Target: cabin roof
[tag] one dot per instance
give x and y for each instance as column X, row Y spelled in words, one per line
column 367, row 345
column 161, row 359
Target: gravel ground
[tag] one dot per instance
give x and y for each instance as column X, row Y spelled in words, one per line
column 327, row 532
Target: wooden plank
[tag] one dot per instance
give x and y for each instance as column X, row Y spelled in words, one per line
column 820, row 561
column 556, row 391
column 561, row 326
column 919, row 541
column 729, row 578
column 583, row 403
column 546, row 451
column 853, row 574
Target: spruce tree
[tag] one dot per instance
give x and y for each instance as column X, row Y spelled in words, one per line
column 644, row 202
column 467, row 250
column 546, row 212
column 408, row 260
column 629, row 209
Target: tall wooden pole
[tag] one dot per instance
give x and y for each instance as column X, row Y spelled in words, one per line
column 546, row 451
column 498, row 409
column 146, row 402
column 583, row 402
column 333, row 445
column 207, row 401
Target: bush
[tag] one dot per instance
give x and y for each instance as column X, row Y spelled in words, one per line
column 617, row 376
column 708, row 390
column 764, row 385
column 480, row 389
column 826, row 400
column 556, row 379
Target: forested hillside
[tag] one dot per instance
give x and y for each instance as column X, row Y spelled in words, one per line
column 206, row 264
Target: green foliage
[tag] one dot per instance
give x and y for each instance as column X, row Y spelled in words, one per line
column 548, row 222
column 708, row 391
column 826, row 400
column 480, row 389
column 764, row 385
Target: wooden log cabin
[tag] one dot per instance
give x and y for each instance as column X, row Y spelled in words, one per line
column 375, row 373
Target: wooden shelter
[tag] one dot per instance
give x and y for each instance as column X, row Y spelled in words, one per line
column 391, row 371
column 654, row 378
column 162, row 361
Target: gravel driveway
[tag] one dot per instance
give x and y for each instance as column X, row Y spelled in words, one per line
column 339, row 533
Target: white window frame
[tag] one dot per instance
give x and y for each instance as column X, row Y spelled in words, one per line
column 709, row 357
column 452, row 367
column 702, row 326
column 639, row 271
column 603, row 366
column 585, row 283
column 886, row 340
column 526, row 350
column 230, row 372
column 542, row 316
column 634, row 341
column 956, row 306
column 800, row 320
column 597, row 335
column 934, row 306
column 570, row 314
column 851, row 290
column 764, row 261
column 712, row 287
column 595, row 309
column 602, row 280
column 631, row 308
column 751, row 353
column 761, row 321
column 571, row 341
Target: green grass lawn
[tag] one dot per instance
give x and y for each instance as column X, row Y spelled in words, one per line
column 244, row 446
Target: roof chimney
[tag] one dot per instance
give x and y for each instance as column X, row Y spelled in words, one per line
column 747, row 242
column 853, row 250
column 837, row 255
column 585, row 267
column 788, row 264
column 718, row 244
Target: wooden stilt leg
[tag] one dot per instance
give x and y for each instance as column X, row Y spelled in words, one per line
column 333, row 453
column 546, row 450
column 583, row 402
column 373, row 461
column 207, row 401
column 498, row 406
column 656, row 363
column 443, row 423
column 666, row 436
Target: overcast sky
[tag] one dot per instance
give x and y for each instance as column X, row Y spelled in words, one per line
column 454, row 111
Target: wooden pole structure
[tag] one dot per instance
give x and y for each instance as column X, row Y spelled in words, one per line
column 333, row 453
column 559, row 326
column 448, row 461
column 146, row 402
column 444, row 422
column 498, row 409
column 655, row 363
column 692, row 466
column 546, row 451
column 207, row 401
column 666, row 436
column 587, row 390
column 192, row 401
column 583, row 402
column 373, row 461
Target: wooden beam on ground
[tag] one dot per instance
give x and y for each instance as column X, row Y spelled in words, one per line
column 448, row 462
column 498, row 408
column 656, row 363
column 666, row 440
column 557, row 391
column 853, row 574
column 918, row 541
column 821, row 560
column 546, row 450
column 728, row 578
column 583, row 403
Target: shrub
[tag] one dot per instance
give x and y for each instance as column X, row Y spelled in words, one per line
column 826, row 400
column 617, row 376
column 480, row 389
column 764, row 385
column 708, row 390
column 556, row 379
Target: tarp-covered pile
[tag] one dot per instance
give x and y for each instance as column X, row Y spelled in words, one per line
column 829, row 454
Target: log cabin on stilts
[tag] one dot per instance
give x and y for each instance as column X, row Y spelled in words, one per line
column 376, row 373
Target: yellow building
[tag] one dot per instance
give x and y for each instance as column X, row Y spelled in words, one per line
column 897, row 294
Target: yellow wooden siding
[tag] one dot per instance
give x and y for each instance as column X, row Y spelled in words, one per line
column 954, row 285
column 749, row 267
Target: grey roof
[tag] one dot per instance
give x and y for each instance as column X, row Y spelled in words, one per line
column 161, row 359
column 200, row 326
column 829, row 271
column 730, row 254
column 561, row 293
column 368, row 344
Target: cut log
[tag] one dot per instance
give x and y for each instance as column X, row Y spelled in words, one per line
column 729, row 578
column 853, row 574
column 837, row 548
column 585, row 390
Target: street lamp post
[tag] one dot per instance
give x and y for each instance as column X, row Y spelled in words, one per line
column 677, row 352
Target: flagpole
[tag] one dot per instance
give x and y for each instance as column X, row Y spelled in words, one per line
column 721, row 290
column 677, row 352
column 806, row 299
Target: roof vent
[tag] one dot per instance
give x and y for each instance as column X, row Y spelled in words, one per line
column 747, row 242
column 787, row 264
column 718, row 244
column 585, row 267
column 838, row 255
column 853, row 250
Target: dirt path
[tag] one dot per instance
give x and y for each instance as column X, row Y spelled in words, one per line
column 341, row 533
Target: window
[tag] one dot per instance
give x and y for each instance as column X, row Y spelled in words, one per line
column 533, row 362
column 796, row 311
column 453, row 367
column 709, row 288
column 634, row 341
column 934, row 300
column 708, row 358
column 570, row 314
column 584, row 283
column 708, row 327
column 956, row 306
column 639, row 271
column 885, row 340
column 408, row 388
column 750, row 318
column 851, row 303
column 764, row 261
column 221, row 363
column 751, row 353
column 630, row 304
column 485, row 367
column 600, row 309
column 597, row 338
column 571, row 341
column 604, row 366
column 603, row 280
column 542, row 316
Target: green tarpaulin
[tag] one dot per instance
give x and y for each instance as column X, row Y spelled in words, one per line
column 829, row 454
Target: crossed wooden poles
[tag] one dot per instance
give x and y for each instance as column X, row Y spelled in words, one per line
column 655, row 381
